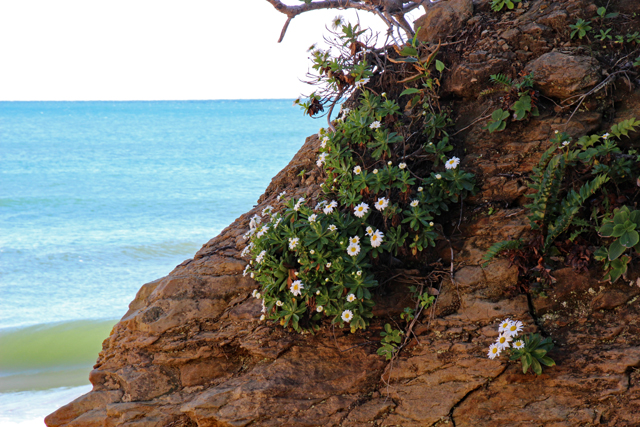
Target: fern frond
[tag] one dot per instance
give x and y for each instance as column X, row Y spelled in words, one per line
column 490, row 91
column 501, row 79
column 624, row 127
column 570, row 207
column 576, row 233
column 545, row 198
column 499, row 247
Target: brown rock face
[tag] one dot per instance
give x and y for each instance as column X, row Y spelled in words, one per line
column 443, row 19
column 560, row 76
column 190, row 352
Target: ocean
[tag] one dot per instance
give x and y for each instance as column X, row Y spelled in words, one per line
column 98, row 198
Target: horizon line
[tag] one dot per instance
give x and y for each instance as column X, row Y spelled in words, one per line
column 145, row 100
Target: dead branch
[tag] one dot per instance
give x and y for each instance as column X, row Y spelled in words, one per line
column 391, row 11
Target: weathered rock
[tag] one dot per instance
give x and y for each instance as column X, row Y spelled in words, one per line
column 190, row 351
column 560, row 76
column 443, row 19
column 469, row 79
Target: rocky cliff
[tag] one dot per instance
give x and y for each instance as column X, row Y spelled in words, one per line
column 191, row 352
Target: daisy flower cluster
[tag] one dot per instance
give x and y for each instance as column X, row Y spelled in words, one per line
column 509, row 330
column 531, row 350
column 316, row 262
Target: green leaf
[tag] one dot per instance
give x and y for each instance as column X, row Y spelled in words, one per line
column 615, row 250
column 606, row 230
column 526, row 362
column 439, row 65
column 409, row 51
column 547, row 361
column 536, row 366
column 629, row 239
column 410, row 91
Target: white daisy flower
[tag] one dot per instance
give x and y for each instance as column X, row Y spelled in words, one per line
column 389, row 163
column 359, row 273
column 606, row 135
column 254, row 293
column 452, row 163
column 319, row 309
column 376, row 238
column 375, row 171
column 362, row 82
column 260, row 256
column 296, row 288
column 279, row 303
column 347, row 315
column 414, row 203
column 312, row 218
column 431, row 224
column 354, row 240
column 255, row 220
column 357, row 170
column 504, row 325
column 258, row 296
column 555, row 131
column 293, row 242
column 351, row 298
column 328, row 265
column 245, row 251
column 262, row 230
column 277, row 222
column 383, row 94
column 267, row 210
column 281, row 195
column 438, row 176
column 361, row 210
column 318, row 292
column 246, row 270
column 369, row 231
column 503, row 341
column 402, row 165
column 332, row 227
column 320, row 204
column 565, row 143
column 494, row 351
column 312, row 252
column 330, row 207
column 420, row 189
column 514, row 328
column 382, row 203
column 353, row 249
column 320, row 132
column 321, row 159
column 298, row 204
column 375, row 125
column 262, row 318
column 345, row 111
column 323, row 144
column 518, row 344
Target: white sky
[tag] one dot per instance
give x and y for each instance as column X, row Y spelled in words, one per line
column 155, row 49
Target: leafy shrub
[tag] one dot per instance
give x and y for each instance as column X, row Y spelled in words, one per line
column 316, row 262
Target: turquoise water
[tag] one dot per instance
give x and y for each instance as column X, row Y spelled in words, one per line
column 98, row 198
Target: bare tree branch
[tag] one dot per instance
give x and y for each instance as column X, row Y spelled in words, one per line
column 386, row 9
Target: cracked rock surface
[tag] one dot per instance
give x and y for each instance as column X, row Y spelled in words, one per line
column 191, row 352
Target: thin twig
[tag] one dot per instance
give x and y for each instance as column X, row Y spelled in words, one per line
column 479, row 119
